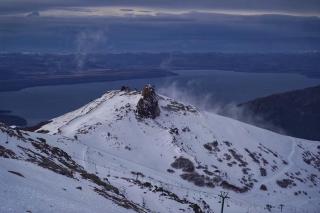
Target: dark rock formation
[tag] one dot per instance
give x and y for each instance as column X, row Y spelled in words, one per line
column 125, row 88
column 183, row 163
column 263, row 187
column 148, row 106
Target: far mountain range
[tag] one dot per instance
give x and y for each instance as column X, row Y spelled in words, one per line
column 296, row 113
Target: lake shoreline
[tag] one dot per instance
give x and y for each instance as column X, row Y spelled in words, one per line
column 7, row 118
column 207, row 89
column 18, row 85
column 71, row 81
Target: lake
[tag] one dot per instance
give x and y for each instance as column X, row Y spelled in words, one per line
column 202, row 88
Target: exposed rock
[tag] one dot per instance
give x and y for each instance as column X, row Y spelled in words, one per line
column 183, row 163
column 263, row 171
column 175, row 106
column 125, row 88
column 284, row 183
column 148, row 106
column 213, row 146
column 263, row 187
column 7, row 153
column 229, row 186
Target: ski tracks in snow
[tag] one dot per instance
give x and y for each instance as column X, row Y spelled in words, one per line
column 85, row 157
column 286, row 168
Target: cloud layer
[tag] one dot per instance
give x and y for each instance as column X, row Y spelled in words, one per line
column 160, row 26
column 306, row 7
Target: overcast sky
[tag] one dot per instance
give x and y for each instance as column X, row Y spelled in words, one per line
column 305, row 7
column 159, row 25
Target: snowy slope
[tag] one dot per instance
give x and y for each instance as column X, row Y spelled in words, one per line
column 177, row 162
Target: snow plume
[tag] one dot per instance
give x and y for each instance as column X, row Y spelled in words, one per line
column 208, row 102
column 187, row 94
column 88, row 42
column 244, row 114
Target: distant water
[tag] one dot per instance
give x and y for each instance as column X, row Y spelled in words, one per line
column 205, row 88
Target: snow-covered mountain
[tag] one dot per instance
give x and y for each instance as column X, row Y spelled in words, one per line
column 109, row 156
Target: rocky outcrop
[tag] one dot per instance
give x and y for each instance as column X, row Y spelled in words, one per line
column 148, row 106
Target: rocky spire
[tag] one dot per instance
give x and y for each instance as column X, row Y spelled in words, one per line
column 148, row 106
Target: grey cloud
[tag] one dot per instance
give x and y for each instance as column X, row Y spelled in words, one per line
column 33, row 14
column 297, row 6
column 197, row 32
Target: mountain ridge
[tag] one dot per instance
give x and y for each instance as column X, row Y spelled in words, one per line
column 297, row 112
column 184, row 157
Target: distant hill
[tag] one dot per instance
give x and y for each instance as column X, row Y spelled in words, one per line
column 22, row 70
column 296, row 112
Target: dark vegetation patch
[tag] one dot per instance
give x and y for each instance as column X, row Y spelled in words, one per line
column 269, row 207
column 137, row 174
column 174, row 131
column 263, row 171
column 43, row 131
column 213, row 146
column 65, row 166
column 95, row 179
column 186, row 129
column 238, row 157
column 267, row 150
column 183, row 163
column 229, row 144
column 263, row 187
column 209, row 179
column 311, row 159
column 229, row 186
column 48, row 163
column 300, row 192
column 246, row 170
column 253, row 156
column 264, row 161
column 295, row 176
column 285, row 183
column 200, row 180
column 314, row 179
column 274, row 168
column 227, row 156
column 42, row 140
column 208, row 172
column 7, row 153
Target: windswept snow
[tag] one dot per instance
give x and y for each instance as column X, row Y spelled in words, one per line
column 177, row 162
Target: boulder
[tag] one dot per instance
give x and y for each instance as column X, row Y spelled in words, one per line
column 148, row 106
